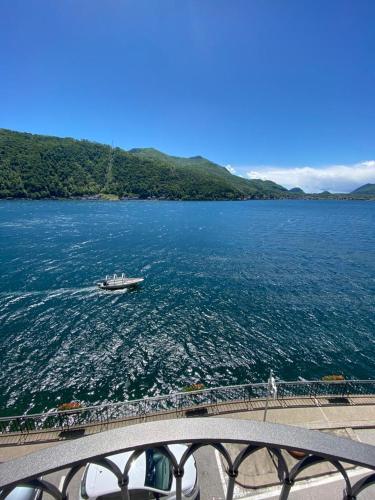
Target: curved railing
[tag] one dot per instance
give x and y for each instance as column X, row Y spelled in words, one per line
column 318, row 447
column 179, row 402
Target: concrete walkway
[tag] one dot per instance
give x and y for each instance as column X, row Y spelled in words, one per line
column 315, row 417
column 260, row 469
column 240, row 409
column 353, row 420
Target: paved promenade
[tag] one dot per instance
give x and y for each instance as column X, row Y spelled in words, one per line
column 252, row 408
column 354, row 420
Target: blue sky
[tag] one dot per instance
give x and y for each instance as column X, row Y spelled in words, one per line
column 282, row 89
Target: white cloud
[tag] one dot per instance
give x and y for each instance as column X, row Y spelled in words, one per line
column 334, row 178
column 231, row 169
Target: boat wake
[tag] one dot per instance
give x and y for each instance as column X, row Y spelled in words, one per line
column 51, row 293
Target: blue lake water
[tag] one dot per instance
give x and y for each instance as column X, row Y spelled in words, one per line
column 231, row 289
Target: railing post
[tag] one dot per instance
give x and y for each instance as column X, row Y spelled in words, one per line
column 60, row 417
column 124, row 488
column 178, row 474
column 345, row 388
column 232, row 474
column 287, row 485
column 315, row 389
column 177, row 403
column 107, row 415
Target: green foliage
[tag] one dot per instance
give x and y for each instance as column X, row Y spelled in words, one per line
column 109, row 197
column 36, row 166
column 332, row 378
column 73, row 405
column 193, row 387
column 297, row 190
column 365, row 189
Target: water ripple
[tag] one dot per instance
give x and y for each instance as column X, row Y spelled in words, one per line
column 231, row 289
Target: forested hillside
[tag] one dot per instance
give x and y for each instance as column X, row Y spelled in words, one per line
column 368, row 189
column 37, row 166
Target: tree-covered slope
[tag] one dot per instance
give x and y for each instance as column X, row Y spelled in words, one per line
column 37, row 166
column 206, row 170
column 365, row 189
column 297, row 190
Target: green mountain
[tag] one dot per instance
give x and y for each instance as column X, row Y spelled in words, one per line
column 365, row 189
column 38, row 166
column 297, row 190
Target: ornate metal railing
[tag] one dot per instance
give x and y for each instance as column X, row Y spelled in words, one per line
column 33, row 469
column 180, row 402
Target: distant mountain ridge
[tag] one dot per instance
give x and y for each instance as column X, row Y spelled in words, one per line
column 39, row 166
column 365, row 189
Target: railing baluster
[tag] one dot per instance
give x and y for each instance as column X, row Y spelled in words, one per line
column 318, row 448
column 230, row 488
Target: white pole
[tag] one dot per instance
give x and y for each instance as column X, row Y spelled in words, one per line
column 271, row 390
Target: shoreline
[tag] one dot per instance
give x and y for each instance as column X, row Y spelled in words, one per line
column 312, row 197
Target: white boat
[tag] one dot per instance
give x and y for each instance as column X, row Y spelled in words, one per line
column 118, row 282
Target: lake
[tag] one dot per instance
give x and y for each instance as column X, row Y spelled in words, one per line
column 231, row 290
